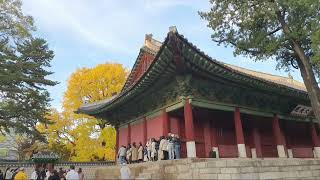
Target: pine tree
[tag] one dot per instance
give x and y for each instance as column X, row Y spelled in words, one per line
column 24, row 61
column 287, row 31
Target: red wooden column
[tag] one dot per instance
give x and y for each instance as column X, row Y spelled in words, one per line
column 207, row 137
column 257, row 140
column 239, row 133
column 278, row 137
column 315, row 140
column 189, row 129
column 165, row 123
column 117, row 144
column 144, row 130
column 129, row 134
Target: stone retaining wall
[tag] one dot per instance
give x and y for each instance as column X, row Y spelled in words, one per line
column 220, row 169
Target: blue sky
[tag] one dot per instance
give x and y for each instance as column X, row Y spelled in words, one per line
column 85, row 33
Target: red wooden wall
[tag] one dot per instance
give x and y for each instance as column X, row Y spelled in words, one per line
column 199, row 137
column 226, row 136
column 137, row 133
column 175, row 125
column 154, row 127
column 268, row 145
column 123, row 136
column 298, row 138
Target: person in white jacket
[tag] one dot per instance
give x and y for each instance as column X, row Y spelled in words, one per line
column 148, row 145
column 72, row 174
column 153, row 149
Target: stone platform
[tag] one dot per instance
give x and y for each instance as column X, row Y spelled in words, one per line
column 219, row 169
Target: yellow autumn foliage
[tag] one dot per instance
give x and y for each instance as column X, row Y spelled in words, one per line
column 2, row 138
column 79, row 137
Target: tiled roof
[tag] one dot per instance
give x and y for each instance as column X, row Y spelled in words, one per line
column 203, row 62
column 286, row 81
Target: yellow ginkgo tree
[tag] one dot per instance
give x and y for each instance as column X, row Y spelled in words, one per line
column 79, row 137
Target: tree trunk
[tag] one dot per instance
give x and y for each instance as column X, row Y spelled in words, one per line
column 309, row 81
column 304, row 66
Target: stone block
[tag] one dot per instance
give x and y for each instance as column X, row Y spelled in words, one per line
column 228, row 170
column 184, row 176
column 268, row 162
column 303, row 174
column 308, row 167
column 209, row 170
column 182, row 168
column 245, row 176
column 201, row 164
column 316, row 173
column 249, row 176
column 208, row 176
column 239, row 163
column 224, row 176
column 289, row 174
column 170, row 169
column 270, row 175
column 195, row 173
column 217, row 163
column 309, row 162
column 235, row 176
column 314, row 167
column 268, row 169
column 301, row 162
column 290, row 168
column 247, row 169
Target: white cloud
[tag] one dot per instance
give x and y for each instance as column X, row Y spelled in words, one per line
column 107, row 24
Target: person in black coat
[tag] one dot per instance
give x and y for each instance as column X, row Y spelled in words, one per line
column 1, row 175
column 54, row 175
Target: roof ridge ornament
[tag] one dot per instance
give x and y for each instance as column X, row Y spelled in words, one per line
column 173, row 29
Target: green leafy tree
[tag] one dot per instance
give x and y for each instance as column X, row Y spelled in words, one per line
column 24, row 61
column 285, row 30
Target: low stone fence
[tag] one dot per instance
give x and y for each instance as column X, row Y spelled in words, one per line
column 89, row 168
column 220, row 169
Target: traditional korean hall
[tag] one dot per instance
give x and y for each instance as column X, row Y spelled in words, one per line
column 176, row 88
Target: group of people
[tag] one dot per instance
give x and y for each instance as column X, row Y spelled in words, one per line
column 166, row 147
column 43, row 173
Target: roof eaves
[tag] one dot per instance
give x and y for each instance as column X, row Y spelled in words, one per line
column 222, row 65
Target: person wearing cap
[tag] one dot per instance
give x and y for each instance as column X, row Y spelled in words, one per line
column 21, row 175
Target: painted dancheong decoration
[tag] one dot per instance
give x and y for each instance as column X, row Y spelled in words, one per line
column 301, row 110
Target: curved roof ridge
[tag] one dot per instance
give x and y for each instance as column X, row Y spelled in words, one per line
column 270, row 77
